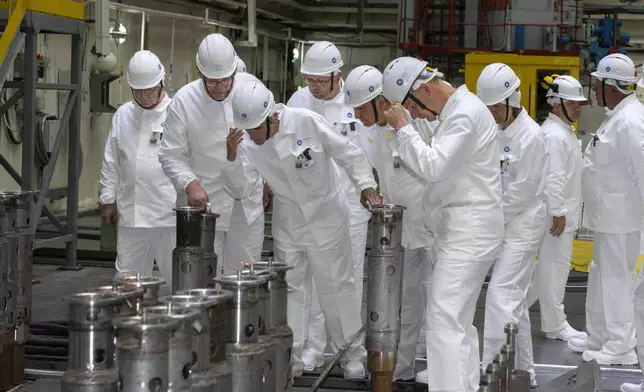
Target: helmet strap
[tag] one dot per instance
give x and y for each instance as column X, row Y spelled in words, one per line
column 151, row 106
column 565, row 112
column 410, row 95
column 375, row 110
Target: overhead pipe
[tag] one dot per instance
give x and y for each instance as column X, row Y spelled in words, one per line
column 143, row 14
column 321, row 9
column 251, row 13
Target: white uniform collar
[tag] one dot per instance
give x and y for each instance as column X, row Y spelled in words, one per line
column 162, row 106
column 453, row 100
column 621, row 105
column 514, row 125
column 555, row 118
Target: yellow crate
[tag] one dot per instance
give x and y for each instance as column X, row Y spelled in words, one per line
column 74, row 9
column 582, row 255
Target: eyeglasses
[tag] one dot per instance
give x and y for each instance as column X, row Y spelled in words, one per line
column 318, row 82
column 148, row 90
column 218, row 82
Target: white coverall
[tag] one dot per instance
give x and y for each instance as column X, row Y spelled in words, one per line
column 194, row 148
column 309, row 216
column 336, row 114
column 462, row 169
column 523, row 168
column 613, row 185
column 132, row 178
column 401, row 186
column 563, row 191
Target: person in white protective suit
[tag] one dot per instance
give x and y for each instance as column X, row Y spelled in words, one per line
column 193, row 151
column 398, row 185
column 325, row 96
column 523, row 168
column 294, row 151
column 639, row 290
column 612, row 188
column 461, row 167
column 133, row 184
column 563, row 190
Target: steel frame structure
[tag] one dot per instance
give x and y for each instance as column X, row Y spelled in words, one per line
column 32, row 24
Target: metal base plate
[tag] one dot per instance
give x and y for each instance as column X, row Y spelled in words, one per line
column 336, row 381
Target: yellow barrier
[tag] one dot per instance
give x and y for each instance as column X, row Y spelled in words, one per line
column 74, row 9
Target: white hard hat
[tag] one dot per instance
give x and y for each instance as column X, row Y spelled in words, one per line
column 241, row 66
column 639, row 91
column 497, row 83
column 362, row 85
column 401, row 75
column 216, row 58
column 252, row 104
column 616, row 66
column 321, row 59
column 563, row 87
column 144, row 70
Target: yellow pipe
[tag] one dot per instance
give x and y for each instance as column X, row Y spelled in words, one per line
column 13, row 26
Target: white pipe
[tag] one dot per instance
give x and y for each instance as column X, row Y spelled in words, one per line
column 251, row 10
column 142, row 30
column 102, row 16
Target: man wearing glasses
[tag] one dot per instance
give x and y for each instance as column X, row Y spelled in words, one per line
column 194, row 146
column 134, row 189
column 325, row 96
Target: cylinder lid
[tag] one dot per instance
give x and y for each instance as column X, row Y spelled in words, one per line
column 273, row 265
column 146, row 323
column 96, row 298
column 265, row 275
column 210, row 215
column 387, row 208
column 141, row 281
column 169, row 310
column 6, row 197
column 125, row 290
column 240, row 280
column 198, row 298
column 188, row 209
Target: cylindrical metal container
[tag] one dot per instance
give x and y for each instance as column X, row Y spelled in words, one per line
column 91, row 363
column 143, row 347
column 384, row 299
column 8, row 307
column 500, row 362
column 187, row 257
column 210, row 372
column 180, row 357
column 244, row 352
column 508, row 352
column 519, row 381
column 277, row 325
column 149, row 284
column 489, row 380
column 208, row 228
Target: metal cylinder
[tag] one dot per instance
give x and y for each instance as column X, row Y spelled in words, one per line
column 187, row 257
column 519, row 381
column 384, row 299
column 277, row 326
column 181, row 355
column 211, row 371
column 508, row 352
column 91, row 363
column 500, row 362
column 143, row 347
column 491, row 381
column 149, row 284
column 208, row 228
column 133, row 304
column 245, row 354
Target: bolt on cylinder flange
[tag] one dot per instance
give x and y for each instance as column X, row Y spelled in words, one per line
column 150, row 285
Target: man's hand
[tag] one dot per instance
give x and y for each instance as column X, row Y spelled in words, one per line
column 268, row 198
column 558, row 225
column 197, row 195
column 369, row 197
column 108, row 213
column 396, row 116
column 235, row 136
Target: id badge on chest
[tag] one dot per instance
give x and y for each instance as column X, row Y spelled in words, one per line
column 304, row 160
column 156, row 137
column 396, row 160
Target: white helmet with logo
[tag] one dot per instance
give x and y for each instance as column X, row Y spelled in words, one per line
column 616, row 66
column 144, row 70
column 401, row 77
column 241, row 66
column 563, row 87
column 216, row 57
column 321, row 59
column 497, row 83
column 362, row 85
column 252, row 104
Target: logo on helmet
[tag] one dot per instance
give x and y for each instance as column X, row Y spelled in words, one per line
column 299, row 142
column 348, row 93
column 159, row 67
column 607, row 69
column 244, row 115
column 580, row 90
column 349, row 115
column 333, row 60
column 371, row 89
column 399, row 82
column 265, row 104
column 507, row 84
column 506, row 149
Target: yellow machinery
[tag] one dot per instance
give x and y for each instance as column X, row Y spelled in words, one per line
column 530, row 69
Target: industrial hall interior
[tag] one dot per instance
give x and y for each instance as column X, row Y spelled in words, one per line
column 321, row 195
